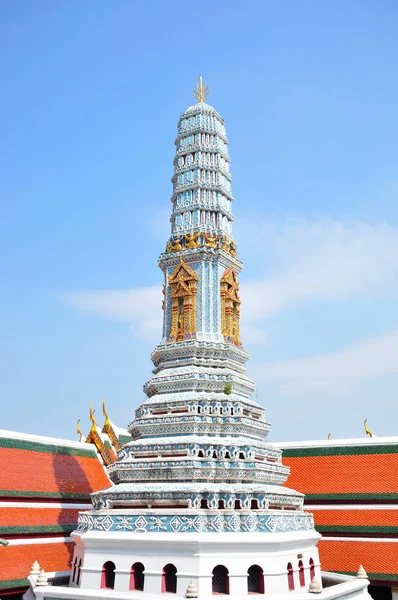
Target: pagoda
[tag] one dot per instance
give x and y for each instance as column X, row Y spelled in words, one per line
column 198, row 504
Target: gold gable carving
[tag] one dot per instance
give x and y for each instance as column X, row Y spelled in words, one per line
column 183, row 284
column 230, row 307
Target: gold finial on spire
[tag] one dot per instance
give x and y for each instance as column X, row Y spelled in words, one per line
column 201, row 91
column 79, row 431
column 367, row 431
column 107, row 422
column 329, row 436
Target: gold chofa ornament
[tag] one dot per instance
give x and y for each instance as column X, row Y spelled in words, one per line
column 201, row 91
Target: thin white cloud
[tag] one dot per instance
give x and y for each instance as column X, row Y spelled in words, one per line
column 317, row 260
column 297, row 261
column 359, row 362
column 139, row 307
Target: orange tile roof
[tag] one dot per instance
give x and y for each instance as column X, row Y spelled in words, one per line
column 16, row 561
column 26, row 520
column 379, row 559
column 350, row 476
column 27, row 471
column 362, row 519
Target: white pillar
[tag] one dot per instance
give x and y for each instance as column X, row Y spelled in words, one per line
column 152, row 582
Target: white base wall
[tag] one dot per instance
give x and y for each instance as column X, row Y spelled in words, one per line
column 348, row 588
column 195, row 555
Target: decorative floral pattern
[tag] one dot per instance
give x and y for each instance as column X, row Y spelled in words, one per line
column 183, row 523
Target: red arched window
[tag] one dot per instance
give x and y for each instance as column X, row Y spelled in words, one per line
column 108, row 575
column 301, row 573
column 137, row 577
column 312, row 569
column 255, row 580
column 220, row 581
column 79, row 572
column 169, row 579
column 290, row 577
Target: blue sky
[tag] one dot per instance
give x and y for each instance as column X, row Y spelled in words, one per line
column 91, row 94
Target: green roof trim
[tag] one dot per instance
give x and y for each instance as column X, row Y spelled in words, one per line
column 35, row 494
column 125, row 439
column 340, row 451
column 356, row 528
column 14, row 583
column 377, row 576
column 46, row 448
column 38, row 529
column 350, row 496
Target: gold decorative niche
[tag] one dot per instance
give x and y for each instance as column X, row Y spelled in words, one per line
column 183, row 283
column 230, row 307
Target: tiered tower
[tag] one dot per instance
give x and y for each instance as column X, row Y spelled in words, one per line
column 197, row 494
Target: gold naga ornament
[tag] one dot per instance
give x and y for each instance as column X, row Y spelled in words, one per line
column 79, row 431
column 230, row 307
column 367, row 431
column 108, row 429
column 94, row 438
column 183, row 283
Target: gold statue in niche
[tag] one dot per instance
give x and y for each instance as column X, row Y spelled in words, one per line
column 174, row 244
column 225, row 243
column 230, row 307
column 183, row 284
column 191, row 240
column 211, row 241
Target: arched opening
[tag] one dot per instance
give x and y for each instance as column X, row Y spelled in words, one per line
column 221, row 504
column 220, row 581
column 255, row 580
column 241, row 456
column 290, row 577
column 254, row 503
column 238, row 504
column 301, row 573
column 169, row 579
column 108, row 575
column 312, row 569
column 214, row 454
column 204, row 503
column 137, row 577
column 79, row 572
column 201, row 454
column 227, row 454
column 74, row 569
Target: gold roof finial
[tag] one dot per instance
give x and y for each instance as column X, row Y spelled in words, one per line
column 107, row 422
column 367, row 431
column 329, row 436
column 201, row 91
column 93, row 423
column 79, row 431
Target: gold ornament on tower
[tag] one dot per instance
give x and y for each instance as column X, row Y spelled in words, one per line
column 191, row 238
column 183, row 283
column 201, row 91
column 230, row 307
column 211, row 241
